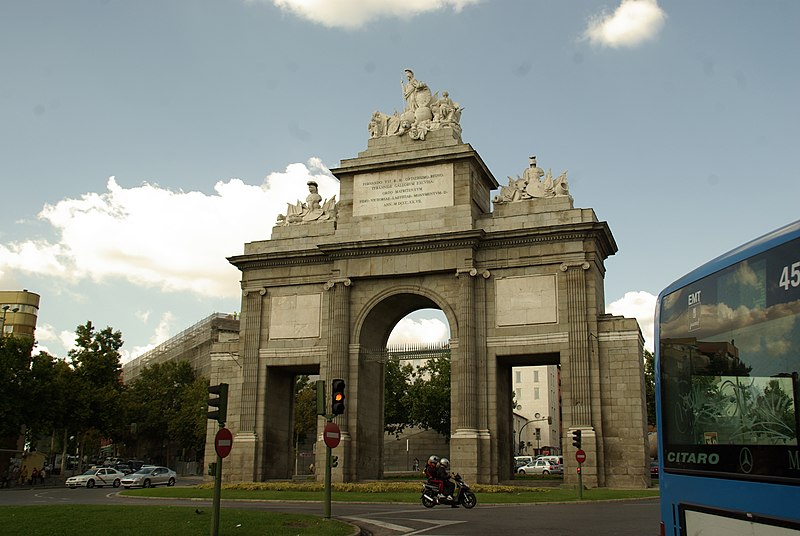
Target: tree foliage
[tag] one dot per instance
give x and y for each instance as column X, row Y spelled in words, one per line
column 166, row 407
column 650, row 386
column 418, row 396
column 15, row 384
column 397, row 407
column 305, row 408
column 98, row 379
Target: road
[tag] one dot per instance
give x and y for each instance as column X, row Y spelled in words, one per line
column 620, row 518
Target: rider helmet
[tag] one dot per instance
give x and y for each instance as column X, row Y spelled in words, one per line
column 433, row 460
column 445, row 463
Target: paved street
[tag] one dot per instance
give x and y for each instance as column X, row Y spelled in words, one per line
column 618, row 518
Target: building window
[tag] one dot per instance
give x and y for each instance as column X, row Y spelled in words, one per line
column 535, row 376
column 536, row 393
column 518, row 394
column 518, row 375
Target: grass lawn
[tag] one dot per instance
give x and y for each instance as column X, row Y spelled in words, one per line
column 388, row 491
column 68, row 520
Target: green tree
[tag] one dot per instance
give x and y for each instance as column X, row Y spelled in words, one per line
column 49, row 389
column 96, row 360
column 429, row 395
column 397, row 404
column 305, row 408
column 15, row 384
column 166, row 409
column 650, row 386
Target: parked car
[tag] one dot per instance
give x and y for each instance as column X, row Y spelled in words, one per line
column 519, row 461
column 558, row 460
column 123, row 468
column 150, row 476
column 541, row 467
column 135, row 465
column 98, row 476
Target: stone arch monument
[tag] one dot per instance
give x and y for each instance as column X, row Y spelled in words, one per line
column 520, row 281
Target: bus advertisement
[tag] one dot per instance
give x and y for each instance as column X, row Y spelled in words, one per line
column 727, row 393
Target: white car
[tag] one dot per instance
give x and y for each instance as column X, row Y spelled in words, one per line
column 541, row 467
column 99, row 476
column 149, row 476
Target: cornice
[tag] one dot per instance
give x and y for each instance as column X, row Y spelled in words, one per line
column 476, row 240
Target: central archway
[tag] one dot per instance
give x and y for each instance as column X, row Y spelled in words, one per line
column 373, row 326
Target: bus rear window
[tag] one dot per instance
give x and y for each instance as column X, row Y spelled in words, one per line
column 729, row 358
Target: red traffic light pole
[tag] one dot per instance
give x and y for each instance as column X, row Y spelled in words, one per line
column 331, row 435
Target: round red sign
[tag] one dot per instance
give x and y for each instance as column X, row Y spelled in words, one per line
column 223, row 442
column 580, row 456
column 331, row 435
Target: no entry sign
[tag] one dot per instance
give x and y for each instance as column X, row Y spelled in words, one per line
column 223, row 442
column 580, row 456
column 331, row 435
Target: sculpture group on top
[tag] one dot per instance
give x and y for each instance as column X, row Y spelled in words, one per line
column 532, row 186
column 314, row 209
column 423, row 113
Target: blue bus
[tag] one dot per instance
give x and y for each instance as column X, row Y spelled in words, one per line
column 727, row 360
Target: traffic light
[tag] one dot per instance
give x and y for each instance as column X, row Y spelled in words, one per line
column 320, row 392
column 334, row 461
column 337, row 399
column 220, row 402
column 576, row 439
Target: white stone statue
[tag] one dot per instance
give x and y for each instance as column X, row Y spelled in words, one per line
column 312, row 210
column 532, row 186
column 422, row 113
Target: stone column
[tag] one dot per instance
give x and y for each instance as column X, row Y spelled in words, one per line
column 466, row 366
column 465, row 441
column 338, row 367
column 254, row 299
column 580, row 368
column 246, row 458
column 578, row 344
column 487, row 462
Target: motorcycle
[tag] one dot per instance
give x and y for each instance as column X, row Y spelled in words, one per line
column 462, row 496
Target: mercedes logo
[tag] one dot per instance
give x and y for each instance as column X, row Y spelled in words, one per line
column 745, row 460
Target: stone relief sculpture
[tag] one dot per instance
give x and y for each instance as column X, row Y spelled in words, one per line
column 312, row 210
column 532, row 186
column 423, row 112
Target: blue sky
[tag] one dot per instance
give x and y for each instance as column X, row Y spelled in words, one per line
column 143, row 142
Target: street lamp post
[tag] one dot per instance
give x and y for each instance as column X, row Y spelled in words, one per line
column 538, row 419
column 5, row 311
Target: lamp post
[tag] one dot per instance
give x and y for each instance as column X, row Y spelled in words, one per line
column 538, row 418
column 5, row 311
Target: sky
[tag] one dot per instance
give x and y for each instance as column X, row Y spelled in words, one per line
column 142, row 143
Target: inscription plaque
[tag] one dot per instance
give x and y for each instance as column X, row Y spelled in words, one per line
column 399, row 190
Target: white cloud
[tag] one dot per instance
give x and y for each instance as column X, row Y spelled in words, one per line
column 162, row 333
column 640, row 305
column 421, row 330
column 633, row 22
column 158, row 238
column 353, row 14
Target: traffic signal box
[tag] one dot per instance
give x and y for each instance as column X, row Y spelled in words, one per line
column 220, row 414
column 576, row 439
column 319, row 388
column 337, row 397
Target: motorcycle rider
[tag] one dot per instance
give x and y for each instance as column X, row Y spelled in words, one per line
column 432, row 472
column 448, row 486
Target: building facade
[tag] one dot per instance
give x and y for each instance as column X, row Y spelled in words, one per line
column 519, row 279
column 20, row 311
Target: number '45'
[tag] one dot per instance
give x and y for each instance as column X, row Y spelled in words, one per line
column 792, row 279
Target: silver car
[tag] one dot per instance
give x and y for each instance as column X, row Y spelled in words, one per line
column 540, row 467
column 149, row 476
column 99, row 476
